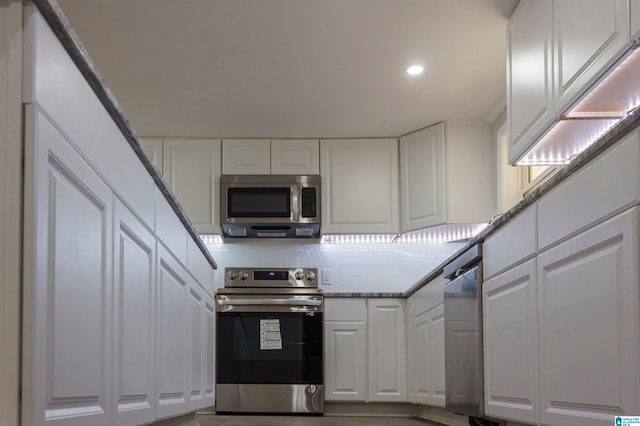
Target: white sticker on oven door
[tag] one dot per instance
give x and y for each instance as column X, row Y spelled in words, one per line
column 270, row 337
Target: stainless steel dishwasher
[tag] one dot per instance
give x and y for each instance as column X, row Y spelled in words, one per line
column 463, row 334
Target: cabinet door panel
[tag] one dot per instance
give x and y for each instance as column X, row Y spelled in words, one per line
column 209, row 352
column 246, row 157
column 588, row 35
column 635, row 19
column 196, row 347
column 387, row 351
column 529, row 73
column 588, row 325
column 436, row 355
column 71, row 288
column 511, row 344
column 153, row 149
column 295, row 157
column 172, row 336
column 134, row 292
column 360, row 186
column 192, row 170
column 345, row 360
column 421, row 374
column 422, row 178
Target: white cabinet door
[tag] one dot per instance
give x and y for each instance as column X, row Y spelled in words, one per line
column 588, row 325
column 529, row 73
column 295, row 157
column 423, row 178
column 345, row 361
column 209, row 352
column 635, row 19
column 172, row 336
column 588, row 36
column 68, row 282
column 196, row 346
column 387, row 350
column 412, row 367
column 153, row 149
column 429, row 358
column 359, row 186
column 192, row 170
column 246, row 157
column 510, row 338
column 133, row 319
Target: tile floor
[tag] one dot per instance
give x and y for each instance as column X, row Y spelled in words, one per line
column 219, row 420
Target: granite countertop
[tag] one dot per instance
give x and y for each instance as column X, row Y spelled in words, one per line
column 623, row 128
column 56, row 19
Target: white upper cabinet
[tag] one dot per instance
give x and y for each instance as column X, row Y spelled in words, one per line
column 276, row 157
column 295, row 157
column 444, row 169
column 246, row 157
column 360, row 186
column 588, row 36
column 192, row 170
column 153, row 149
column 555, row 51
column 423, row 178
column 635, row 19
column 529, row 73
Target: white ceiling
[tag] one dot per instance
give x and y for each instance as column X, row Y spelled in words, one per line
column 296, row 68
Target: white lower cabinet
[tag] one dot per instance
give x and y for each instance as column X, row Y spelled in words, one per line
column 133, row 319
column 589, row 328
column 562, row 331
column 510, row 335
column 172, row 336
column 68, row 252
column 345, row 361
column 387, row 350
column 355, row 328
column 428, row 372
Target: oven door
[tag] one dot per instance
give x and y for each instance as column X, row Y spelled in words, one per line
column 269, row 355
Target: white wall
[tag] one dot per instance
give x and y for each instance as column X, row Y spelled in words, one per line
column 10, row 207
column 355, row 267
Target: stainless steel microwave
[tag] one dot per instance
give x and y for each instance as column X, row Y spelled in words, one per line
column 270, row 206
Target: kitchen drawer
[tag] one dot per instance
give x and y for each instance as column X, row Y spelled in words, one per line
column 605, row 187
column 511, row 244
column 199, row 267
column 429, row 296
column 170, row 230
column 345, row 310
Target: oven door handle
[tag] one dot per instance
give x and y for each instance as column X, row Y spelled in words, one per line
column 270, row 301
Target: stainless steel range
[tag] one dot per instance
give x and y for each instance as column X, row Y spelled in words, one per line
column 269, row 342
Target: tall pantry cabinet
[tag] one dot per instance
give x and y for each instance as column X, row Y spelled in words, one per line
column 116, row 299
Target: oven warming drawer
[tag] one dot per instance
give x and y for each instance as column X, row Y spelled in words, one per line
column 260, row 398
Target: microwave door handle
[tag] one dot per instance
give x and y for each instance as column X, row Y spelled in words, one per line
column 295, row 200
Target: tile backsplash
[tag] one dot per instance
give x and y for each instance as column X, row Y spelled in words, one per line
column 354, row 267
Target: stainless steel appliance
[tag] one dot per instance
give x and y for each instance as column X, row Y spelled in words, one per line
column 271, row 206
column 269, row 342
column 463, row 334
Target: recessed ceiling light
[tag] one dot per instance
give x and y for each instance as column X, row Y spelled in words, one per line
column 415, row 69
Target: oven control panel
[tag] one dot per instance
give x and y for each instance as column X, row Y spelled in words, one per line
column 271, row 277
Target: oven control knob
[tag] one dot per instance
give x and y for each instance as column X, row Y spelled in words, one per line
column 243, row 275
column 232, row 275
column 310, row 276
column 299, row 275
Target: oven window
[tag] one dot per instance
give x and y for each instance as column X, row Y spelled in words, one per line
column 242, row 359
column 259, row 202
